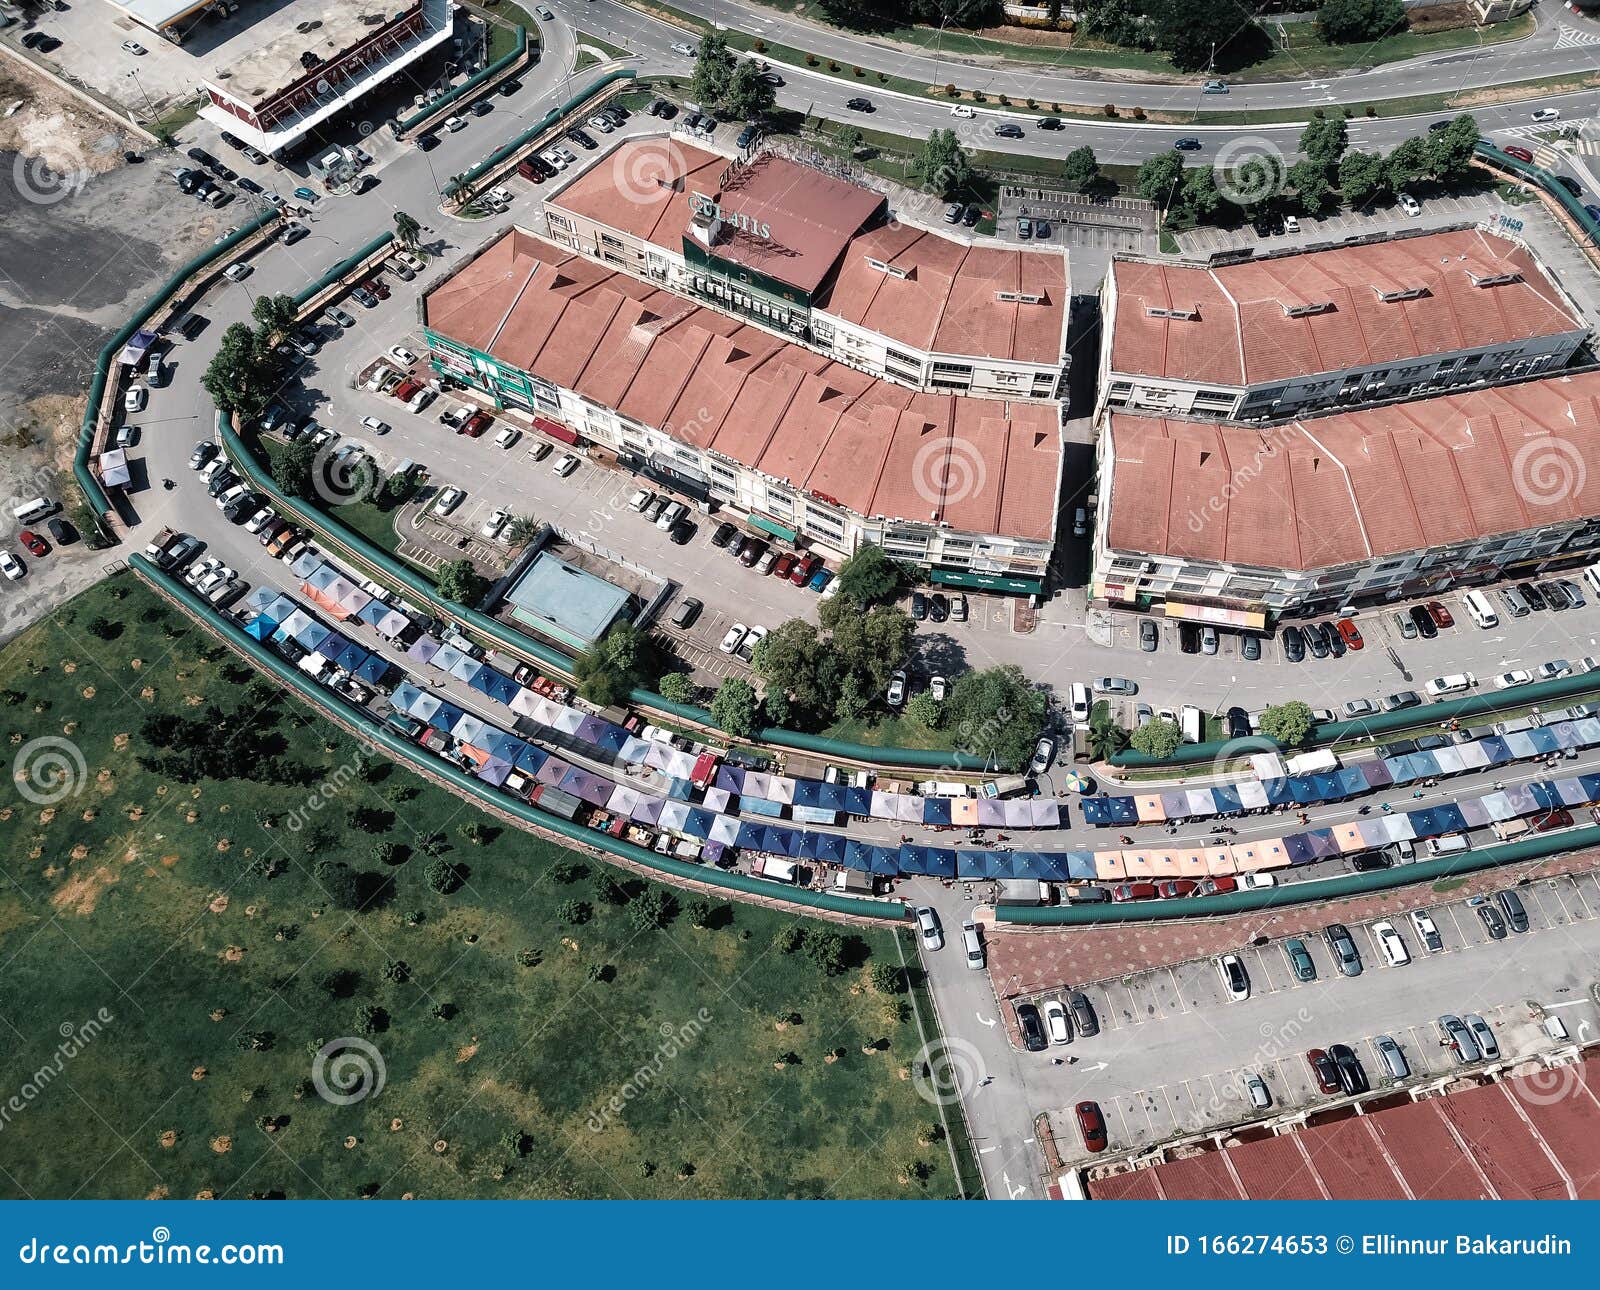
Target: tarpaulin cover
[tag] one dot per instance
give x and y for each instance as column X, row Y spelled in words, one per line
column 760, row 806
column 261, row 627
column 423, row 649
column 814, row 815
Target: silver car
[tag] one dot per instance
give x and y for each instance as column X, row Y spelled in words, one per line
column 928, row 925
column 1455, row 1036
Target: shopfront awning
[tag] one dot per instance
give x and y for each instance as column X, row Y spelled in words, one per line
column 1006, row 583
column 773, row 527
column 556, row 431
column 1250, row 620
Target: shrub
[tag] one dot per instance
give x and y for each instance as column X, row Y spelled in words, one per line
column 1111, row 109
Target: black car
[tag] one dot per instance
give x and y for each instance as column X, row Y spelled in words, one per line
column 201, row 155
column 1187, row 145
column 1570, row 184
column 739, row 542
column 61, row 531
column 1238, row 723
column 1555, row 595
column 221, row 482
column 1331, row 638
column 1032, row 1028
column 249, row 185
column 1352, row 1079
column 859, row 105
column 723, row 535
column 1294, row 644
column 1516, row 915
column 1435, row 126
column 1050, row 123
column 1424, row 622
column 938, row 608
column 1532, row 595
column 1008, row 130
column 582, row 139
column 1492, row 922
column 681, row 533
column 1316, row 642
column 971, row 215
column 481, row 108
column 427, row 142
column 232, row 140
column 1369, row 861
column 1083, row 1018
column 1188, row 638
column 686, row 612
column 508, row 88
column 667, row 112
column 919, row 606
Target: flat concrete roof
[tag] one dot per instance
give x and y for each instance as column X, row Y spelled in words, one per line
column 158, row 14
column 263, row 71
column 565, row 602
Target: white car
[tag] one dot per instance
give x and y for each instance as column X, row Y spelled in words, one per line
column 454, row 123
column 133, row 400
column 683, row 47
column 1291, row 224
column 938, row 687
column 601, row 124
column 1235, row 980
column 962, row 110
column 448, row 500
column 1250, row 881
column 201, row 568
column 641, row 499
column 508, row 436
column 734, row 637
column 1547, row 114
column 1056, row 1024
column 135, row 48
column 565, row 465
column 1455, row 683
column 219, row 576
column 497, row 520
column 1427, row 931
column 1410, row 205
column 374, row 425
column 1550, row 671
column 552, row 158
column 897, row 688
column 260, row 520
column 747, row 648
column 1393, row 948
column 402, row 355
column 380, row 374
column 228, row 496
column 11, row 566
column 237, row 272
column 1520, row 676
column 928, row 925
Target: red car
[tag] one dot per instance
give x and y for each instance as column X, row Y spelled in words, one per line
column 1439, row 614
column 1519, row 152
column 36, row 544
column 1559, row 818
column 1133, row 891
column 1216, row 886
column 378, row 288
column 1175, row 887
column 1350, row 632
column 782, row 565
column 476, row 424
column 804, row 567
column 1092, row 1125
column 1323, row 1070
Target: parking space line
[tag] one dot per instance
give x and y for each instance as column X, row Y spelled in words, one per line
column 1577, row 888
column 1177, row 990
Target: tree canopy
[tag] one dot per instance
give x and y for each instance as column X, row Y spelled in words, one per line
column 1158, row 738
column 733, row 707
column 997, row 714
column 614, row 665
column 869, row 576
column 1289, row 723
column 1344, row 22
column 242, row 374
column 943, row 165
column 460, row 582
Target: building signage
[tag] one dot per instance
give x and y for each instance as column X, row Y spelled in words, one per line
column 713, row 209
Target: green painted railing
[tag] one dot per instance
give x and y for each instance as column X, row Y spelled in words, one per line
column 403, row 750
column 343, row 267
column 467, row 86
column 1316, row 891
column 1538, row 175
column 102, row 368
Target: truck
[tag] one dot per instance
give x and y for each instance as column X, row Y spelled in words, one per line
column 1023, row 891
column 159, row 544
column 1005, row 786
column 170, row 550
column 853, row 881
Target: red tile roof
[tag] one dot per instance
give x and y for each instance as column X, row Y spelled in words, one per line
column 1335, row 489
column 1243, row 334
column 981, row 465
column 947, row 303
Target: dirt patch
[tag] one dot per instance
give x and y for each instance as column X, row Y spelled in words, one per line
column 1516, row 93
column 222, row 1144
column 80, row 894
column 56, row 129
column 1442, row 17
column 1037, row 36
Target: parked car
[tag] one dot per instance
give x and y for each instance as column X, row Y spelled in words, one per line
column 1235, row 981
column 1511, row 906
column 1299, row 957
column 896, row 694
column 1032, row 1028
column 1391, row 944
column 1352, row 1078
column 1256, row 1090
column 1427, row 931
column 1056, row 1022
column 1489, row 916
column 1345, row 953
column 928, row 926
column 1044, row 753
column 1455, row 1036
column 1084, row 1019
column 1482, row 1036
column 1149, row 635
column 1091, row 1126
column 1323, row 1071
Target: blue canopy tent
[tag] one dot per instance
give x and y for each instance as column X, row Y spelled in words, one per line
column 1109, row 810
column 730, row 779
column 936, row 810
column 805, row 792
column 857, row 855
column 1303, row 791
column 1279, row 792
column 1495, row 749
column 697, row 824
column 1450, row 818
column 1426, row 823
column 1591, row 786
column 1544, row 742
column 829, row 847
column 1327, row 787
column 446, row 716
column 612, row 738
column 858, row 801
column 1047, row 866
column 373, row 670
column 1081, row 866
column 530, row 759
column 1297, row 846
column 751, row 836
column 502, row 688
column 682, row 790
column 1227, row 800
column 1352, row 783
column 832, row 797
column 1544, row 794
column 350, row 658
column 971, row 864
column 885, row 860
column 261, row 627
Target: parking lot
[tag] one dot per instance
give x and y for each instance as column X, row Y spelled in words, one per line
column 1437, row 212
column 1175, row 1025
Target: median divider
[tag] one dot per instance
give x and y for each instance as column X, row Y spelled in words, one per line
column 374, row 732
column 1317, row 891
column 335, row 276
column 443, row 103
column 1538, row 175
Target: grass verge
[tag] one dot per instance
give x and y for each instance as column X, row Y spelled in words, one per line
column 535, row 1039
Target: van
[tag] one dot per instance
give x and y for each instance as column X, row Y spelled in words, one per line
column 1478, row 607
column 1080, row 701
column 1191, row 720
column 973, row 945
column 1517, row 603
column 37, row 509
column 1591, row 575
column 1449, row 844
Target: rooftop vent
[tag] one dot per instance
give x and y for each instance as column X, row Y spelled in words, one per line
column 1390, row 295
column 1494, row 279
column 1183, row 315
column 1307, row 308
column 1019, row 297
column 894, row 271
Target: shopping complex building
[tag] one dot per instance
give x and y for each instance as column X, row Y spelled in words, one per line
column 1299, row 333
column 1235, row 524
column 721, row 410
column 823, row 262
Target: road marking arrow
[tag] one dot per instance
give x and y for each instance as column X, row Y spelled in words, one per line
column 985, row 1020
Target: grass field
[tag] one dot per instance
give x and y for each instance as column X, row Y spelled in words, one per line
column 178, row 950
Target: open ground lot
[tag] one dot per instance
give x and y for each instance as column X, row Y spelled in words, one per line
column 176, row 949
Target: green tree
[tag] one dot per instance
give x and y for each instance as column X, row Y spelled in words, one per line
column 886, row 978
column 1363, row 178
column 1117, row 22
column 1198, row 199
column 733, row 707
column 1081, row 170
column 1194, row 35
column 713, row 70
column 1451, row 150
column 1344, row 22
column 1159, row 738
column 827, row 949
column 442, row 876
column 1106, row 737
column 1408, row 163
column 1289, row 723
column 242, row 374
column 925, row 710
column 748, row 96
column 869, row 576
column 341, row 882
column 1324, row 140
column 850, row 139
column 274, row 315
column 872, row 645
column 943, row 164
column 406, row 229
column 1309, row 181
column 521, row 529
column 654, row 908
column 460, row 582
column 614, row 665
column 1158, row 178
column 677, row 687
column 997, row 714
